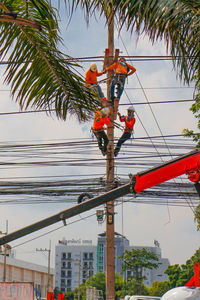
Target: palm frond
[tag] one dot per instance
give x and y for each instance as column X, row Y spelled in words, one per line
column 177, row 22
column 39, row 74
column 90, row 7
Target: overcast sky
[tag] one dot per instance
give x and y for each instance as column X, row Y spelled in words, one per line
column 172, row 227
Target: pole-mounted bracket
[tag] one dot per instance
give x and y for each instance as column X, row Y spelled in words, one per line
column 132, row 184
column 194, row 175
column 63, row 219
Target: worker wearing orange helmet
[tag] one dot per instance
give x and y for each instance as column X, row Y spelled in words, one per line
column 129, row 121
column 101, row 118
column 122, row 70
column 91, row 80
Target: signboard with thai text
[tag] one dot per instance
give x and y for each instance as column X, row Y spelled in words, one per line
column 16, row 291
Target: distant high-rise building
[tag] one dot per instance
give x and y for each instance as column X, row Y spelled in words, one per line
column 75, row 263
column 77, row 260
column 122, row 244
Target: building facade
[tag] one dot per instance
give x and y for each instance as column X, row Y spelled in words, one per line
column 22, row 271
column 122, row 244
column 77, row 260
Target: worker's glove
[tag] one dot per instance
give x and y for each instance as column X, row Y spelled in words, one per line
column 119, row 115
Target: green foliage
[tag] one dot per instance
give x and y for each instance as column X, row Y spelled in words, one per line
column 175, row 21
column 69, row 295
column 136, row 261
column 136, row 287
column 173, row 273
column 56, row 291
column 197, row 216
column 98, row 281
column 195, row 108
column 39, row 74
column 159, row 288
column 180, row 275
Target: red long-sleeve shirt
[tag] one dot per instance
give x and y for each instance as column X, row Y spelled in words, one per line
column 128, row 124
column 99, row 122
column 91, row 77
column 122, row 68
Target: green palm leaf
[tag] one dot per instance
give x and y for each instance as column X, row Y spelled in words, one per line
column 175, row 21
column 39, row 74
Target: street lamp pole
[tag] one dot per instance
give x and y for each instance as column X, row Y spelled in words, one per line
column 79, row 277
column 48, row 268
column 5, row 253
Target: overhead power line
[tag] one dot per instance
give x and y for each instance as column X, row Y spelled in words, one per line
column 101, row 58
column 125, row 104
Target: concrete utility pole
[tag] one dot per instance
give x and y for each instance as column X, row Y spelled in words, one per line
column 49, row 255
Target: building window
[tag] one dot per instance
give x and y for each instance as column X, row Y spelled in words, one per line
column 100, row 259
column 85, row 255
column 69, row 265
column 85, row 265
column 62, row 282
column 69, row 282
column 84, row 274
column 62, row 290
column 64, row 264
column 101, row 248
column 69, row 273
column 63, row 255
column 90, row 273
column 69, row 255
column 91, row 255
column 90, row 265
column 62, row 273
column 101, row 269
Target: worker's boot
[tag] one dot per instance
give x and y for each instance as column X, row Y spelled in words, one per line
column 116, row 151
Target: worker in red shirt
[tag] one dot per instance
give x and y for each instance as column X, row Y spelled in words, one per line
column 101, row 118
column 91, row 81
column 122, row 70
column 129, row 123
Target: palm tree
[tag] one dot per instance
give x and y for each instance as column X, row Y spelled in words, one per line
column 175, row 21
column 42, row 77
column 39, row 74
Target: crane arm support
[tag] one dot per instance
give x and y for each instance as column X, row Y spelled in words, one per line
column 186, row 164
column 66, row 214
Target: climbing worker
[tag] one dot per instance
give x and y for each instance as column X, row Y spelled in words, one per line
column 122, row 70
column 101, row 118
column 91, row 81
column 129, row 123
